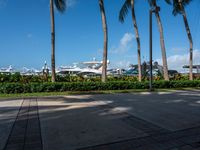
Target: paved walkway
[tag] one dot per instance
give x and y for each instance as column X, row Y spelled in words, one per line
column 25, row 133
column 102, row 122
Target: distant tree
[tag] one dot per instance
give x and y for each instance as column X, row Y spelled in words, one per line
column 60, row 5
column 105, row 49
column 131, row 66
column 144, row 69
column 130, row 4
column 153, row 3
column 179, row 8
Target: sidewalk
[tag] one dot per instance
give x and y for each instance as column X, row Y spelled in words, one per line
column 95, row 122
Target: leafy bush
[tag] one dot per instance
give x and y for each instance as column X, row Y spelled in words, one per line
column 17, row 78
column 180, row 77
column 89, row 86
column 4, row 77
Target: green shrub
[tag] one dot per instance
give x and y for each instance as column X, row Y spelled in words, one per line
column 180, row 77
column 89, row 86
column 17, row 78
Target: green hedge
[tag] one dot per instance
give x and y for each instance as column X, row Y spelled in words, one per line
column 89, row 86
column 17, row 78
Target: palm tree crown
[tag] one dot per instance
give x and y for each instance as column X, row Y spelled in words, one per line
column 124, row 10
column 176, row 7
column 60, row 5
column 179, row 8
column 130, row 4
column 153, row 3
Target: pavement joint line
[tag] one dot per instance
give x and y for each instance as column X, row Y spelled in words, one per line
column 38, row 114
column 137, row 140
column 26, row 123
column 39, row 124
column 142, row 124
column 21, row 127
column 166, row 140
column 176, row 142
column 30, row 139
column 22, row 135
column 180, row 143
column 13, row 125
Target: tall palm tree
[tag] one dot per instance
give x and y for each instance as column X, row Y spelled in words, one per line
column 153, row 3
column 123, row 13
column 60, row 5
column 179, row 8
column 105, row 49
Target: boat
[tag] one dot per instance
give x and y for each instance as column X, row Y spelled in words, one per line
column 88, row 68
column 25, row 71
column 7, row 70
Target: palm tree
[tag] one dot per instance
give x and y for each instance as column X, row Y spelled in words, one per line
column 105, row 50
column 179, row 8
column 60, row 5
column 153, row 3
column 123, row 13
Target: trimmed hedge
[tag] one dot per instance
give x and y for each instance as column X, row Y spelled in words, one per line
column 8, row 88
column 24, row 79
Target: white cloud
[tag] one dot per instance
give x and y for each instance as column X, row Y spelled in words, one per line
column 178, row 61
column 123, row 61
column 127, row 38
column 122, row 64
column 125, row 44
column 121, row 57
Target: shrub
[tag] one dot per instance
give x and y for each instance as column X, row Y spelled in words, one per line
column 17, row 78
column 4, row 77
column 89, row 86
column 180, row 77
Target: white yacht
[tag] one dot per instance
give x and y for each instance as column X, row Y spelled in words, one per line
column 7, row 70
column 93, row 67
column 32, row 71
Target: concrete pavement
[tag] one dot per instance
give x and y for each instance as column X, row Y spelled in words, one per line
column 168, row 120
column 8, row 112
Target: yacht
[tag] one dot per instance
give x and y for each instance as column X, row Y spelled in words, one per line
column 7, row 70
column 32, row 71
column 87, row 68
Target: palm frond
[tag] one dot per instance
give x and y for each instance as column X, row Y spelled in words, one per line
column 152, row 3
column 186, row 2
column 124, row 10
column 176, row 7
column 168, row 2
column 60, row 5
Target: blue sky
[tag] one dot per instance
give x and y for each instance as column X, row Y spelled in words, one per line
column 25, row 33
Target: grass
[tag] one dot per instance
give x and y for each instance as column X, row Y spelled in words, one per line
column 42, row 94
column 23, row 95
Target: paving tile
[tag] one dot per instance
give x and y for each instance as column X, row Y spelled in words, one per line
column 25, row 134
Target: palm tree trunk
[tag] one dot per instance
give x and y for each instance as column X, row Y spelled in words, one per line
column 53, row 77
column 162, row 43
column 138, row 41
column 105, row 49
column 190, row 40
